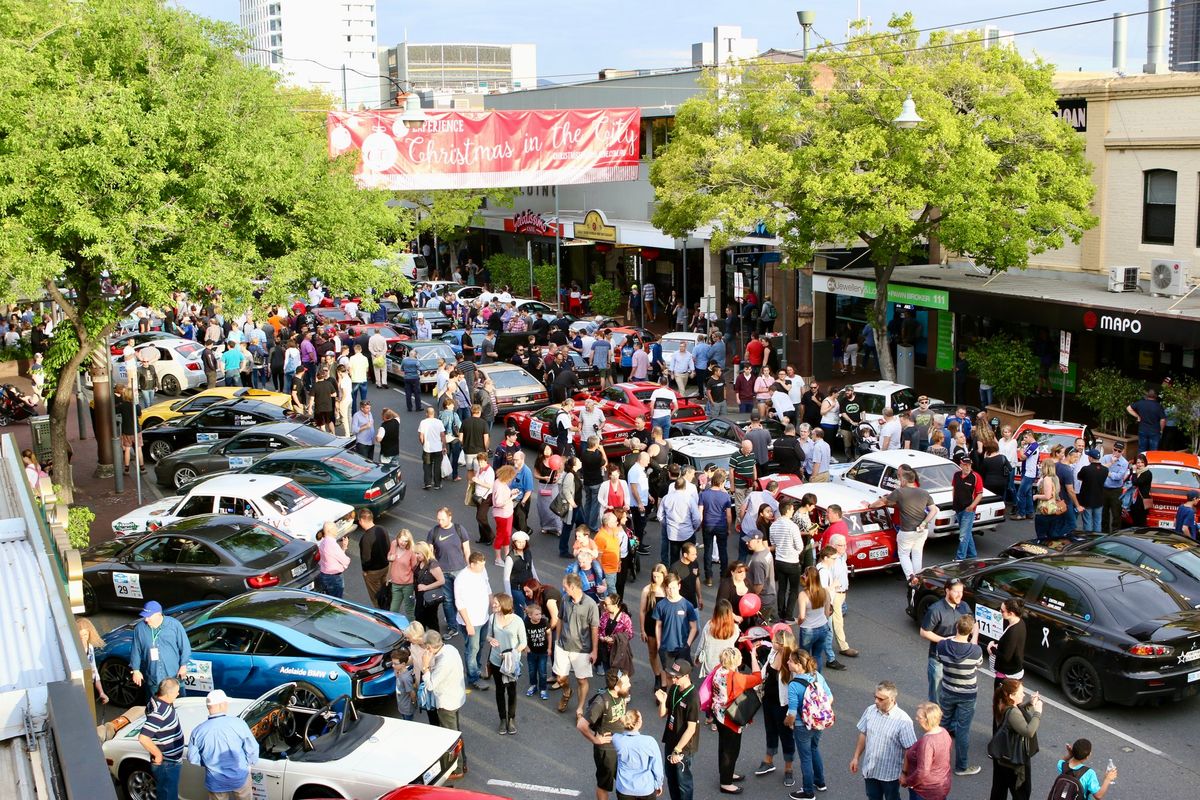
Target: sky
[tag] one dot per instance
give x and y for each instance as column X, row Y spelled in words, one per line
column 577, row 38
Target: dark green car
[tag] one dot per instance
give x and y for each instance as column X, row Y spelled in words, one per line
column 337, row 474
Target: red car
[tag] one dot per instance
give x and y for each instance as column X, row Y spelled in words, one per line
column 1173, row 475
column 438, row 793
column 327, row 317
column 1050, row 432
column 631, row 400
column 871, row 534
column 536, row 428
column 387, row 331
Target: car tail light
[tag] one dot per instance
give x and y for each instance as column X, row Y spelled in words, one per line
column 194, row 366
column 541, row 396
column 1151, row 650
column 262, row 581
column 367, row 666
column 373, row 493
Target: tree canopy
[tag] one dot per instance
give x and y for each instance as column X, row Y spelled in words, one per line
column 811, row 150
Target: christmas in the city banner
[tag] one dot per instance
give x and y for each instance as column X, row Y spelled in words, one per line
column 488, row 149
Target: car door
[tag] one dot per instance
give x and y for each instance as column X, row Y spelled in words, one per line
column 1060, row 617
column 139, row 576
column 197, row 571
column 221, row 658
column 994, row 586
column 247, row 448
column 214, row 424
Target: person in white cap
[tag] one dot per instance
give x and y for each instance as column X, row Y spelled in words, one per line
column 225, row 748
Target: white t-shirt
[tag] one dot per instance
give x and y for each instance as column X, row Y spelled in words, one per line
column 586, row 341
column 1008, row 449
column 782, row 403
column 796, row 390
column 591, row 422
column 661, row 401
column 315, row 296
column 432, row 429
column 473, row 592
column 891, row 432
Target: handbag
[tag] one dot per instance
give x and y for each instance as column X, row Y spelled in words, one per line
column 426, row 701
column 559, row 505
column 743, row 708
column 1007, row 747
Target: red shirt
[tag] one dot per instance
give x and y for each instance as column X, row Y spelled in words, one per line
column 754, row 352
column 833, row 529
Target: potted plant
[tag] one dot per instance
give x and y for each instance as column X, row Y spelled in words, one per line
column 1009, row 366
column 1182, row 402
column 1107, row 391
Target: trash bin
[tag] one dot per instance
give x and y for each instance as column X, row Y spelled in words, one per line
column 40, row 426
column 905, row 364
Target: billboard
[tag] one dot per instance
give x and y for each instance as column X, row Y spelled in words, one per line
column 488, row 149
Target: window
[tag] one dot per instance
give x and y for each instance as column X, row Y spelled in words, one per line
column 1058, row 595
column 236, row 505
column 250, row 544
column 868, row 472
column 1010, row 581
column 222, row 639
column 155, row 551
column 1158, row 207
column 256, row 443
column 200, row 504
column 195, row 554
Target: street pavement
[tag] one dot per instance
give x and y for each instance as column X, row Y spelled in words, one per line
column 1153, row 747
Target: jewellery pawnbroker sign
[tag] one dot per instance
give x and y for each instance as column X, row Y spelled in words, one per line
column 897, row 293
column 488, row 149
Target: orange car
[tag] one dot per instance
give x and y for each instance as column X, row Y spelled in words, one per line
column 1173, row 475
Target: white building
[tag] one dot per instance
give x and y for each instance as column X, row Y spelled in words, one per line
column 317, row 44
column 456, row 74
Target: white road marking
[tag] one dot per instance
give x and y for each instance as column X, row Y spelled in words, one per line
column 533, row 787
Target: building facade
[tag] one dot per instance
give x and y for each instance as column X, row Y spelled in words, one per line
column 1185, row 36
column 457, row 75
column 330, row 46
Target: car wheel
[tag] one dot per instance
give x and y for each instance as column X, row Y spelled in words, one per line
column 170, row 385
column 923, row 607
column 159, row 450
column 117, row 680
column 183, row 475
column 89, row 599
column 313, row 792
column 1081, row 683
column 139, row 782
column 151, row 422
column 5, row 420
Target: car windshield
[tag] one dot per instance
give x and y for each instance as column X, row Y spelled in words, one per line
column 1187, row 561
column 324, row 619
column 1133, row 599
column 252, row 543
column 1175, row 477
column 346, row 468
column 289, row 498
column 1046, row 441
column 936, row 476
column 428, row 356
column 512, row 379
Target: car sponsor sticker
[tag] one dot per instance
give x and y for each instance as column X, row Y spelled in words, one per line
column 991, row 623
column 127, row 584
column 1188, row 657
column 299, row 672
column 237, row 462
column 535, row 428
column 198, row 676
column 206, row 438
column 258, row 786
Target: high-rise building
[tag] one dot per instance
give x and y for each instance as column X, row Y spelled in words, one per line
column 320, row 44
column 1185, row 36
column 457, row 74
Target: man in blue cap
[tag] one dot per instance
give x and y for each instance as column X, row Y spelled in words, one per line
column 160, row 649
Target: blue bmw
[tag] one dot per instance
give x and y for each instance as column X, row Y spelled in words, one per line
column 256, row 641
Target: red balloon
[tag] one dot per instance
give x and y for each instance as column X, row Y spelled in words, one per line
column 749, row 605
column 554, row 462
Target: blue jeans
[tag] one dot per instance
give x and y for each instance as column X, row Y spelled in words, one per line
column 1044, row 526
column 1066, row 523
column 985, row 396
column 912, row 795
column 679, row 778
column 455, row 449
column 812, row 767
column 882, row 790
column 1148, row 441
column 591, row 506
column 258, row 377
column 933, row 672
column 745, row 408
column 471, row 643
column 966, row 540
column 663, row 423
column 166, row 779
column 957, row 712
column 537, row 666
column 718, row 539
column 1092, row 518
column 448, row 609
column 816, row 642
column 1025, row 497
column 332, row 585
column 358, row 393
column 288, row 379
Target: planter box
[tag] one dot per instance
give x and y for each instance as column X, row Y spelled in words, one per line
column 1107, row 440
column 13, row 369
column 1008, row 417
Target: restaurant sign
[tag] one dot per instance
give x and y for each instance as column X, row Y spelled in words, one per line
column 533, row 224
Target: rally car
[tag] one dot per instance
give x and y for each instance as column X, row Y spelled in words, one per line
column 1172, row 476
column 172, row 409
column 731, row 430
column 516, row 389
column 632, row 400
column 874, row 396
column 218, row 421
column 276, row 500
column 361, row 334
column 333, row 317
column 536, row 428
column 701, row 452
column 871, row 537
column 405, row 321
column 878, row 472
column 305, row 750
column 334, row 473
column 1050, row 432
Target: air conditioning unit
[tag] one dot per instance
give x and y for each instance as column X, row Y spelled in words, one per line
column 1122, row 279
column 1168, row 277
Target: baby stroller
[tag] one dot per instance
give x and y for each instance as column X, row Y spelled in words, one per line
column 865, row 439
column 14, row 406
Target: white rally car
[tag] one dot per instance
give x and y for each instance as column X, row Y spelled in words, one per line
column 877, row 471
column 274, row 499
column 303, row 751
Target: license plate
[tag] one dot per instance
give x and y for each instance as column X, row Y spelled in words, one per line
column 297, row 571
column 878, row 552
column 309, row 587
column 387, row 485
column 396, row 499
column 429, row 775
column 522, row 400
column 1163, row 523
column 1193, row 677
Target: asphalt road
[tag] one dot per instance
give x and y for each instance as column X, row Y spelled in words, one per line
column 1154, row 748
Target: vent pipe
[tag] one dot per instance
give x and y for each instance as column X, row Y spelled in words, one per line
column 1156, row 38
column 1120, row 39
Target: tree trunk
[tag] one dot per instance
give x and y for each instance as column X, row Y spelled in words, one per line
column 60, row 408
column 883, row 350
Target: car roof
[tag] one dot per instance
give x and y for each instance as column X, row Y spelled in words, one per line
column 208, row 527
column 845, row 495
column 879, row 387
column 1053, row 425
column 501, row 367
column 1098, row 570
column 261, row 484
column 914, row 458
column 305, row 454
column 702, row 446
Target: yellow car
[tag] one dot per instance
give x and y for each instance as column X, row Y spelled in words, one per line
column 170, row 409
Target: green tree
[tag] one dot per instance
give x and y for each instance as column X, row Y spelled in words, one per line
column 606, row 299
column 1182, row 398
column 1106, row 391
column 139, row 157
column 811, row 151
column 1006, row 364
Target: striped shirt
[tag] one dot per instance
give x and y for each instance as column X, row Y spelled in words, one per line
column 742, row 465
column 959, row 662
column 785, row 536
column 888, row 736
column 162, row 728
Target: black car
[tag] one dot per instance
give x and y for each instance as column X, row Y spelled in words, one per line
column 182, row 467
column 1101, row 628
column 335, row 474
column 211, row 556
column 725, row 428
column 1168, row 556
column 218, row 421
column 405, row 321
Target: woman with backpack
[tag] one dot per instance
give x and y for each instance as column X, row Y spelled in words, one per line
column 1010, row 770
column 809, row 712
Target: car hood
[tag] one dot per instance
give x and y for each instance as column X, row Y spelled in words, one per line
column 958, row 569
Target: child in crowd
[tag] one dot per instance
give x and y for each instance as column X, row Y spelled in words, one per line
column 406, row 683
column 537, row 633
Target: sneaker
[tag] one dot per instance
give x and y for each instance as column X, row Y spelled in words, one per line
column 972, row 770
column 788, row 778
column 836, row 665
column 512, row 727
column 450, row 635
column 481, row 686
column 531, row 691
column 764, row 769
column 821, row 787
column 802, row 795
column 503, row 729
column 544, row 695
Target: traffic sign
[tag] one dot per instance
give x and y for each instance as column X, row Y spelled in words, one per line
column 739, row 290
column 1064, row 351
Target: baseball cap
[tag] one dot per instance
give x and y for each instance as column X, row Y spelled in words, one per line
column 1118, row 445
column 755, row 535
column 964, row 459
column 510, row 432
column 1092, row 452
column 216, row 697
column 954, row 582
column 150, row 609
column 1193, row 495
column 677, row 669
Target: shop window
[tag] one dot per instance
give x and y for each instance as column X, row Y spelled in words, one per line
column 1158, row 207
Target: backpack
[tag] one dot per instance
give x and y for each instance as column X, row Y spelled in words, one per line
column 259, row 358
column 816, row 709
column 1067, row 784
column 769, row 313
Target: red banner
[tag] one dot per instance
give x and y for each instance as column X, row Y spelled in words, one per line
column 489, row 149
